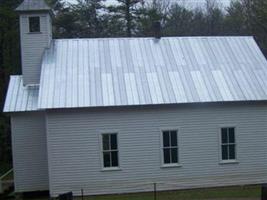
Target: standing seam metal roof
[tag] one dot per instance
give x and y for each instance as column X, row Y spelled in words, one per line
column 20, row 98
column 144, row 71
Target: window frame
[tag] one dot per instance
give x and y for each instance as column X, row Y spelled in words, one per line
column 228, row 161
column 110, row 132
column 29, row 24
column 169, row 165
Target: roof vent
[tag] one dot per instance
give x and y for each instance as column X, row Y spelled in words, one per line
column 157, row 29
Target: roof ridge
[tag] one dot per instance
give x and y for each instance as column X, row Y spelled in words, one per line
column 167, row 37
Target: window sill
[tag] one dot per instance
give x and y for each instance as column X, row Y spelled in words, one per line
column 228, row 162
column 171, row 165
column 34, row 33
column 108, row 169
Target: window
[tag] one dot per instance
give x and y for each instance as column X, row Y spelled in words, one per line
column 170, row 147
column 110, row 150
column 228, row 146
column 34, row 24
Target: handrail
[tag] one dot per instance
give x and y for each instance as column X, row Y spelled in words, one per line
column 7, row 173
column 2, row 189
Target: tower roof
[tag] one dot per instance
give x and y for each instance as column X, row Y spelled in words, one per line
column 33, row 5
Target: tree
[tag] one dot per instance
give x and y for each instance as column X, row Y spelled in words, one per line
column 113, row 25
column 234, row 22
column 149, row 13
column 65, row 24
column 89, row 17
column 199, row 23
column 126, row 12
column 56, row 5
column 247, row 17
column 179, row 21
column 9, row 64
column 214, row 17
column 256, row 16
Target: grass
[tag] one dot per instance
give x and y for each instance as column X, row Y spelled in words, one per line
column 249, row 192
column 222, row 193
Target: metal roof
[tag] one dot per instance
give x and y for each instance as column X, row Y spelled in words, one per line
column 145, row 71
column 33, row 5
column 20, row 98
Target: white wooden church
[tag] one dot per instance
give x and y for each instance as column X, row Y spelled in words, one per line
column 108, row 114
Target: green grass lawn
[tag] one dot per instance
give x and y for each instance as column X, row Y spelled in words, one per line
column 222, row 193
column 248, row 192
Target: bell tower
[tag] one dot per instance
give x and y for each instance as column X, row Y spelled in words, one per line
column 35, row 37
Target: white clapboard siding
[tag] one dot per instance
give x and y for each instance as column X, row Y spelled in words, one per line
column 29, row 151
column 74, row 147
column 33, row 46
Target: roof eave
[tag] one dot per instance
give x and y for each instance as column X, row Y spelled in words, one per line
column 50, row 11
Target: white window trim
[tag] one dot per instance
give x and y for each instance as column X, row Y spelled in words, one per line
column 101, row 150
column 230, row 161
column 170, row 165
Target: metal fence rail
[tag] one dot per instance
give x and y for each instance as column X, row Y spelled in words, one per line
column 5, row 183
column 160, row 191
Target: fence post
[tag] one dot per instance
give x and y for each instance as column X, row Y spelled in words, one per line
column 155, row 191
column 82, row 193
column 264, row 192
column 1, row 188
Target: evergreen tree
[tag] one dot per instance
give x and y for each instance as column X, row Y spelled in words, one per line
column 256, row 20
column 214, row 18
column 199, row 23
column 113, row 26
column 9, row 64
column 89, row 17
column 65, row 24
column 179, row 21
column 56, row 5
column 126, row 12
column 148, row 14
column 234, row 22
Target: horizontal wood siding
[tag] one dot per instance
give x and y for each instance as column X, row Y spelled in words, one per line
column 74, row 148
column 29, row 151
column 33, row 46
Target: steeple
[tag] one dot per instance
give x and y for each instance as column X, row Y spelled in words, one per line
column 35, row 37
